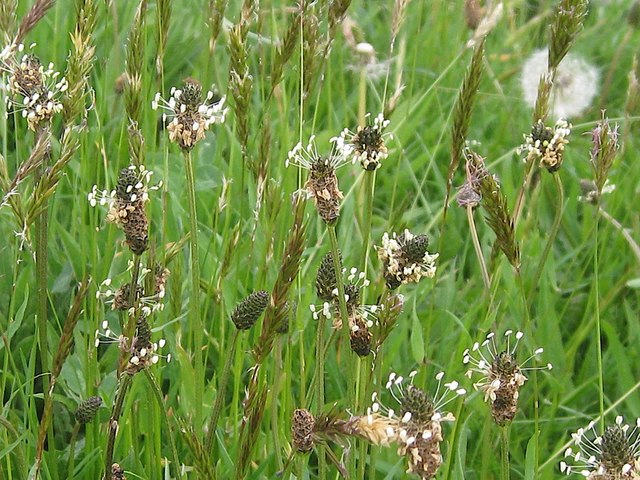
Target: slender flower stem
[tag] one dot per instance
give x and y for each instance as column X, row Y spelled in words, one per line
column 454, row 441
column 476, row 244
column 517, row 210
column 319, row 398
column 504, row 444
column 635, row 248
column 123, row 387
column 220, row 395
column 596, row 273
column 552, row 234
column 194, row 312
column 369, row 186
column 340, row 286
column 41, row 240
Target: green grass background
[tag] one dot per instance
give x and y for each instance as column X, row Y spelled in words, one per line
column 241, row 251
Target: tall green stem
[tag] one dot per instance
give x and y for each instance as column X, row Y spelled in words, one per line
column 552, row 234
column 194, row 312
column 369, row 185
column 319, row 399
column 222, row 388
column 598, row 325
column 504, row 444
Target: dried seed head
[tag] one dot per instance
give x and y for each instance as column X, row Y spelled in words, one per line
column 247, row 312
column 360, row 336
column 405, row 258
column 546, row 144
column 302, row 426
column 87, row 409
column 615, row 455
column 326, row 278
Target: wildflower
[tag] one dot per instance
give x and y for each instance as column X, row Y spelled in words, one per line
column 247, row 312
column 502, row 374
column 614, row 455
column 405, row 258
column 87, row 409
column 126, row 205
column 188, row 117
column 33, row 90
column 574, row 87
column 367, row 144
column 322, row 184
column 119, row 299
column 546, row 144
column 326, row 277
column 416, row 428
column 117, row 472
column 603, row 151
column 142, row 351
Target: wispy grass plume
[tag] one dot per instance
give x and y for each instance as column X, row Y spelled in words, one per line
column 37, row 11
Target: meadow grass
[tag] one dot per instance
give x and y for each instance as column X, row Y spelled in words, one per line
column 577, row 298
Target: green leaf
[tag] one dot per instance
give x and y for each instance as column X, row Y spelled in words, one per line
column 530, row 458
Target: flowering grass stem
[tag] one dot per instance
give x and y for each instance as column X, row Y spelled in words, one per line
column 476, row 244
column 552, row 234
column 220, row 394
column 194, row 310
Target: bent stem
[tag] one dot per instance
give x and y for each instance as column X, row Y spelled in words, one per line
column 504, row 443
column 194, row 311
column 476, row 245
column 635, row 248
column 552, row 234
column 222, row 388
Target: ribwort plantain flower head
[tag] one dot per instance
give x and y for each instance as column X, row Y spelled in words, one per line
column 187, row 115
column 247, row 312
column 34, row 90
column 87, row 409
column 405, row 258
column 126, row 205
column 322, row 183
column 614, row 455
column 416, row 424
column 502, row 375
column 367, row 144
column 546, row 144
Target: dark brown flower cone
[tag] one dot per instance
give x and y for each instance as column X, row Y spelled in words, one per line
column 302, row 426
column 323, row 187
column 136, row 228
column 87, row 409
column 505, row 406
column 360, row 338
column 326, row 278
column 247, row 312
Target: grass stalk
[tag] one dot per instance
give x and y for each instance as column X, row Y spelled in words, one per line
column 194, row 311
column 72, row 450
column 369, row 187
column 552, row 234
column 476, row 245
column 222, row 388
